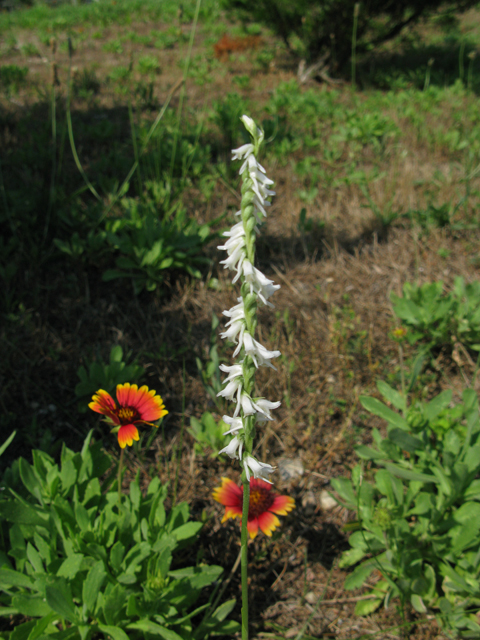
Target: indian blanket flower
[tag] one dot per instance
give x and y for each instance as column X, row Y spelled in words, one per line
column 135, row 407
column 263, row 508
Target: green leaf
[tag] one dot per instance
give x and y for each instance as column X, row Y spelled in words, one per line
column 382, row 411
column 9, row 578
column 356, row 579
column 41, row 625
column 35, row 559
column 114, row 632
column 70, row 566
column 405, row 440
column 117, row 553
column 22, row 631
column 367, row 453
column 417, row 603
column 224, row 609
column 407, row 474
column 187, row 531
column 60, row 600
column 365, row 607
column 92, row 585
column 113, row 604
column 31, row 606
column 391, row 395
column 29, row 479
column 7, row 442
column 147, row 626
column 438, row 404
column 352, row 556
column 23, row 513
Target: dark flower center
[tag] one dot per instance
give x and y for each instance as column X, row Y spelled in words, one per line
column 260, row 501
column 127, row 415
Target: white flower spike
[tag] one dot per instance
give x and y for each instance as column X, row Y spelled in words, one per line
column 240, row 328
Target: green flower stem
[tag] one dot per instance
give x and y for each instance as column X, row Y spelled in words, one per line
column 244, row 555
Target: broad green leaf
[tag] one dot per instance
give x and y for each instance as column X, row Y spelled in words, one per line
column 438, row 404
column 417, row 603
column 352, row 556
column 344, row 489
column 356, row 579
column 405, row 440
column 382, row 411
column 187, row 531
column 70, row 566
column 116, row 556
column 92, row 585
column 113, row 604
column 23, row 513
column 366, row 607
column 114, row 632
column 31, row 606
column 60, row 600
column 22, row 631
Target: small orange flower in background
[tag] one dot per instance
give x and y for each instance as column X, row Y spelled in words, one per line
column 135, row 406
column 264, row 504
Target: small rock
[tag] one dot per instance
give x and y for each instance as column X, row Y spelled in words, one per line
column 290, row 468
column 327, row 503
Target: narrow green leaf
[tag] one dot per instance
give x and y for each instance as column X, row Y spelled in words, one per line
column 9, row 578
column 92, row 585
column 147, row 626
column 7, row 442
column 382, row 411
column 407, row 474
column 391, row 395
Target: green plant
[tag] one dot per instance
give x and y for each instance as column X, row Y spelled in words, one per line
column 441, row 319
column 80, row 565
column 418, row 512
column 106, row 376
column 149, row 246
column 226, row 116
column 208, row 433
column 12, row 77
column 148, row 65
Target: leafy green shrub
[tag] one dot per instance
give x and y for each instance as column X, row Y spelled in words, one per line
column 81, row 566
column 149, row 246
column 12, row 77
column 106, row 376
column 441, row 319
column 418, row 515
column 323, row 30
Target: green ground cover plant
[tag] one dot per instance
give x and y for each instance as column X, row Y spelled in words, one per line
column 418, row 512
column 80, row 563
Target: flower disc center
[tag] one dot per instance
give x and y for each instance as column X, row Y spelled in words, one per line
column 127, row 415
column 260, row 501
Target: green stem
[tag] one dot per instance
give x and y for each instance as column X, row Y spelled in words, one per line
column 119, row 480
column 244, row 556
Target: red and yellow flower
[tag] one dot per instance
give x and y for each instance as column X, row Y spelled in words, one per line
column 135, row 406
column 264, row 504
